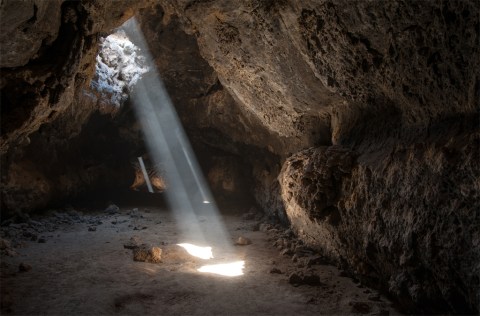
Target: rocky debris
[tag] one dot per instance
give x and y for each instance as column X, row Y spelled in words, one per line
column 92, row 228
column 24, row 267
column 42, row 240
column 242, row 241
column 134, row 213
column 301, row 278
column 112, row 209
column 276, row 271
column 147, row 253
column 133, row 243
column 265, row 227
column 7, row 248
column 4, row 244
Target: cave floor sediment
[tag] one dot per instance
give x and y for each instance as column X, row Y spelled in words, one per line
column 77, row 271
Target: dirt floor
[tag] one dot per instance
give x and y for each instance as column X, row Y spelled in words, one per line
column 72, row 263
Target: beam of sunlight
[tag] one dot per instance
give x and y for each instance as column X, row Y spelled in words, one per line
column 226, row 269
column 188, row 194
column 145, row 174
column 197, row 251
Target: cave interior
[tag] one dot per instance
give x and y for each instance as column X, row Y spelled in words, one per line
column 327, row 152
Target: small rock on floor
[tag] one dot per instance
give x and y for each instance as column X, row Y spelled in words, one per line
column 243, row 241
column 23, row 267
column 92, row 228
column 147, row 253
column 276, row 271
column 112, row 209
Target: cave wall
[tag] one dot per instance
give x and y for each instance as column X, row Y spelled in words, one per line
column 394, row 87
column 47, row 59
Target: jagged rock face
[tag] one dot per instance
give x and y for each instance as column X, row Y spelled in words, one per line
column 408, row 224
column 48, row 51
column 396, row 86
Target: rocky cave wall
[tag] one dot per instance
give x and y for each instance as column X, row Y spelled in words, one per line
column 358, row 121
column 394, row 87
column 47, row 59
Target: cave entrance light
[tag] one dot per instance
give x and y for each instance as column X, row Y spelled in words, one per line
column 194, row 208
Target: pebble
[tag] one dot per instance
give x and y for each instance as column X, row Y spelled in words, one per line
column 297, row 278
column 112, row 209
column 275, row 271
column 4, row 244
column 23, row 267
column 243, row 241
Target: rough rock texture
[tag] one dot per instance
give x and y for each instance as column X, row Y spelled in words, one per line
column 396, row 86
column 48, row 51
column 409, row 224
column 147, row 253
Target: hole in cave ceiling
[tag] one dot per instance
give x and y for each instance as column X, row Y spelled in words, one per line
column 120, row 64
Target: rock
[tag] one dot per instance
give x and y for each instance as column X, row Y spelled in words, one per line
column 147, row 253
column 299, row 278
column 92, row 228
column 112, row 209
column 286, row 252
column 10, row 252
column 23, row 267
column 133, row 243
column 264, row 227
column 316, row 260
column 242, row 241
column 42, row 240
column 4, row 244
column 295, row 279
column 275, row 271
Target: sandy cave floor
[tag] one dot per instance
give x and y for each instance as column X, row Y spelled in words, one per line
column 75, row 270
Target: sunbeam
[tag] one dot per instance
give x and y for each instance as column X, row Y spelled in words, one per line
column 188, row 193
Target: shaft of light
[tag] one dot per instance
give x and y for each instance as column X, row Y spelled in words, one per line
column 145, row 174
column 169, row 146
column 192, row 168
